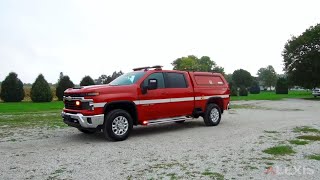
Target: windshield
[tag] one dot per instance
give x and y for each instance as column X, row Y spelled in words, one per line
column 127, row 79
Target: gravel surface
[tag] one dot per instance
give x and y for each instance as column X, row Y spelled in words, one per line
column 232, row 150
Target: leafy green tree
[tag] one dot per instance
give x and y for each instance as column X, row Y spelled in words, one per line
column 87, row 81
column 104, row 79
column 63, row 84
column 192, row 63
column 189, row 63
column 12, row 89
column 40, row 90
column 218, row 69
column 101, row 79
column 301, row 57
column 228, row 77
column 267, row 76
column 204, row 64
column 242, row 77
column 282, row 86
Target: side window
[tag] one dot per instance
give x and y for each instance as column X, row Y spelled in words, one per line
column 158, row 77
column 176, row 80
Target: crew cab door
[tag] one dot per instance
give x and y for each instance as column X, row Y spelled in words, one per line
column 180, row 92
column 154, row 103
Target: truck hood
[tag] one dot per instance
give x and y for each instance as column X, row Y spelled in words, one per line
column 105, row 88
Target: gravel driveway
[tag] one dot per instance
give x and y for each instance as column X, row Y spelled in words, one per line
column 232, row 150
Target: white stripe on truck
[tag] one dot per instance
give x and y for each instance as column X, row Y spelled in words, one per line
column 167, row 100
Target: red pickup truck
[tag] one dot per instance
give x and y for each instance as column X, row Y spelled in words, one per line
column 146, row 96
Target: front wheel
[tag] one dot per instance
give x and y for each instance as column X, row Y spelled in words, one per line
column 212, row 115
column 117, row 125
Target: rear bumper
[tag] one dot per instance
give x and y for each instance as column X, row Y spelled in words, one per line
column 81, row 121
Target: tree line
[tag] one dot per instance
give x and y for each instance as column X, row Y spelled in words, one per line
column 12, row 87
column 240, row 80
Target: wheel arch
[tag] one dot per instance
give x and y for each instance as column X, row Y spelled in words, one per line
column 216, row 100
column 128, row 106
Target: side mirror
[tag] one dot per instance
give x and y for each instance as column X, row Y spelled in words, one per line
column 152, row 84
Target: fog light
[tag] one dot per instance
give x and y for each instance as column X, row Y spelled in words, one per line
column 78, row 103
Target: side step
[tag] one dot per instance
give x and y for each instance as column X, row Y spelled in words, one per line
column 168, row 120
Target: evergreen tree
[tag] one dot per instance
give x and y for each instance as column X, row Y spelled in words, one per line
column 40, row 90
column 12, row 89
column 63, row 84
column 87, row 81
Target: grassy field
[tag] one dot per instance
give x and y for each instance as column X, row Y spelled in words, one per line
column 31, row 115
column 271, row 95
column 25, row 107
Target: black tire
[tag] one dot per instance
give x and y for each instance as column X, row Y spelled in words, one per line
column 87, row 131
column 117, row 133
column 213, row 120
column 180, row 122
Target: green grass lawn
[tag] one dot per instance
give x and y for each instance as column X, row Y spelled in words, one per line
column 271, row 95
column 30, row 115
column 25, row 107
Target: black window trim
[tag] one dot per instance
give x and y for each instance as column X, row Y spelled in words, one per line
column 164, row 79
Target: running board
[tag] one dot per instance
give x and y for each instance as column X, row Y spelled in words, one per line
column 168, row 120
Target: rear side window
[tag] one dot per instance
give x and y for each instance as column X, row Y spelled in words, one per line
column 175, row 80
column 209, row 80
column 158, row 77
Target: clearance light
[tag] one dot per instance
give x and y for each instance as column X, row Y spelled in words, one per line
column 78, row 103
column 93, row 94
column 144, row 122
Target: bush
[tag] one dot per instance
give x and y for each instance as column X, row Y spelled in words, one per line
column 12, row 89
column 234, row 91
column 87, row 81
column 243, row 91
column 282, row 86
column 255, row 88
column 63, row 84
column 40, row 90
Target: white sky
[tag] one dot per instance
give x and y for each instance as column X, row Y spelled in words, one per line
column 92, row 38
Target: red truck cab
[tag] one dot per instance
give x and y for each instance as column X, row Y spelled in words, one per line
column 148, row 95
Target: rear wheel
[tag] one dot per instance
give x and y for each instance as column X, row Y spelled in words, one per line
column 117, row 125
column 212, row 115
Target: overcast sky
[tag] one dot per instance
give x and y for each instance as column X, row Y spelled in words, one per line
column 92, row 38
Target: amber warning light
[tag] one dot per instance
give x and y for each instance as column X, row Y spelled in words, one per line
column 78, row 103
